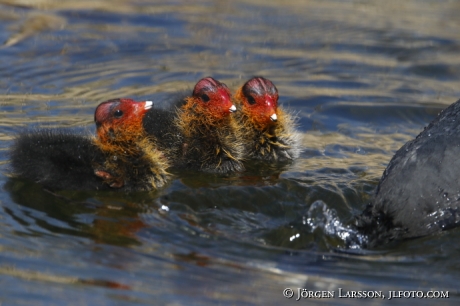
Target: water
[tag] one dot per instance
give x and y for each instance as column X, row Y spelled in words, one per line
column 364, row 78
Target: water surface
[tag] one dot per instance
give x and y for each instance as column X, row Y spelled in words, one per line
column 364, row 77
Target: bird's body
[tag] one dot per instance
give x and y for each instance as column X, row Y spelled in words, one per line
column 57, row 159
column 419, row 192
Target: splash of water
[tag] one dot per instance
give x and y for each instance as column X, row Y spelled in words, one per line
column 321, row 217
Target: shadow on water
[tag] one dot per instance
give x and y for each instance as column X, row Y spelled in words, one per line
column 258, row 206
column 103, row 218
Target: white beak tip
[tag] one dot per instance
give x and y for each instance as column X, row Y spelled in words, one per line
column 148, row 105
column 274, row 117
column 232, row 109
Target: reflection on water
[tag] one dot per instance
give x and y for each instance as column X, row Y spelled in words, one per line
column 363, row 78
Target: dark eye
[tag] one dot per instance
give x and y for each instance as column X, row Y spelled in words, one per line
column 205, row 97
column 251, row 100
column 118, row 113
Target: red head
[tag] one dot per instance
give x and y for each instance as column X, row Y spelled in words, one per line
column 120, row 118
column 259, row 98
column 212, row 98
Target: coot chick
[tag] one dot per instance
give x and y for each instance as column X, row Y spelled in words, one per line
column 120, row 155
column 419, row 192
column 199, row 132
column 267, row 131
column 132, row 158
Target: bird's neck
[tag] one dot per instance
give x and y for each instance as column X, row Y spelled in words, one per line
column 218, row 137
column 195, row 121
column 138, row 152
column 121, row 141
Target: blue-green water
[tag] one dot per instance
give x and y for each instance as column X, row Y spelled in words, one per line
column 364, row 77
